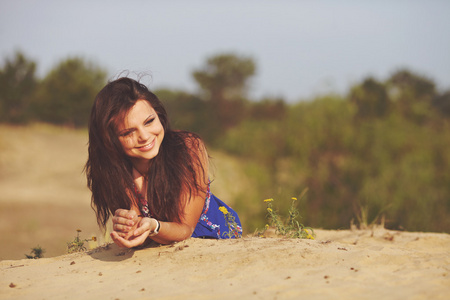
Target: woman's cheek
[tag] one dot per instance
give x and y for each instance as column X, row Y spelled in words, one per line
column 127, row 142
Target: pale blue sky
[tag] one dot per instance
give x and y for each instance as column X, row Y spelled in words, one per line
column 301, row 48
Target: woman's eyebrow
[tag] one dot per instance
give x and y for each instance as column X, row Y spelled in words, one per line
column 125, row 129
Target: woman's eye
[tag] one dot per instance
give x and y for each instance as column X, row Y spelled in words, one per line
column 126, row 133
column 149, row 121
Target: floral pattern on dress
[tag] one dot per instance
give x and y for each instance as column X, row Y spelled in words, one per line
column 214, row 219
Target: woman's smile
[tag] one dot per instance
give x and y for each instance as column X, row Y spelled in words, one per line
column 147, row 147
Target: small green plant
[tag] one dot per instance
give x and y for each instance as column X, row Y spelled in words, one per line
column 77, row 245
column 291, row 228
column 231, row 223
column 36, row 252
column 362, row 216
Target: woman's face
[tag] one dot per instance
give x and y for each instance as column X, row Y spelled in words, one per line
column 141, row 134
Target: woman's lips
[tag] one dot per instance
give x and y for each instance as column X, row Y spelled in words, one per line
column 147, row 147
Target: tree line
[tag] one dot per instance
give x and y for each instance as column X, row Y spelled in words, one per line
column 63, row 97
column 379, row 150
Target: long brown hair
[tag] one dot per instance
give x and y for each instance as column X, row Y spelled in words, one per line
column 172, row 172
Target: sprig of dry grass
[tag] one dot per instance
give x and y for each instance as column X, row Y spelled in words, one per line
column 77, row 245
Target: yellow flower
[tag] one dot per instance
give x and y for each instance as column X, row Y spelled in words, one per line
column 267, row 226
column 269, row 209
column 293, row 198
column 308, row 235
column 268, row 200
column 223, row 209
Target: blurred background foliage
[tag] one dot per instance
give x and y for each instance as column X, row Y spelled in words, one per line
column 381, row 149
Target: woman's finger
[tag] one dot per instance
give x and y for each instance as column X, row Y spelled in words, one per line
column 144, row 227
column 123, row 221
column 123, row 235
column 125, row 213
column 121, row 228
column 117, row 239
column 121, row 212
column 121, row 242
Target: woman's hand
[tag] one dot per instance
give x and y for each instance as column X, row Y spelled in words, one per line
column 136, row 237
column 125, row 222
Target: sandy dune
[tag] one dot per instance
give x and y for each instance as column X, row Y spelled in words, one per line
column 379, row 264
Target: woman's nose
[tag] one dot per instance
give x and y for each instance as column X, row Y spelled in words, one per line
column 144, row 135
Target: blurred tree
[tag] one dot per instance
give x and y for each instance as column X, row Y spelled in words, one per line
column 412, row 93
column 324, row 136
column 17, row 84
column 408, row 86
column 225, row 76
column 268, row 109
column 67, row 93
column 371, row 99
column 224, row 80
column 188, row 112
column 442, row 103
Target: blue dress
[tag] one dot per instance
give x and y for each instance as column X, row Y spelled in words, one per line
column 217, row 220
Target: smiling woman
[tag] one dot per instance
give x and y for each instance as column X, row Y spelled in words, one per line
column 153, row 181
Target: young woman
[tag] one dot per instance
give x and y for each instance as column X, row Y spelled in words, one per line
column 152, row 180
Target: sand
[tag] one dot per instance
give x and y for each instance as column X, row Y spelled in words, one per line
column 338, row 264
